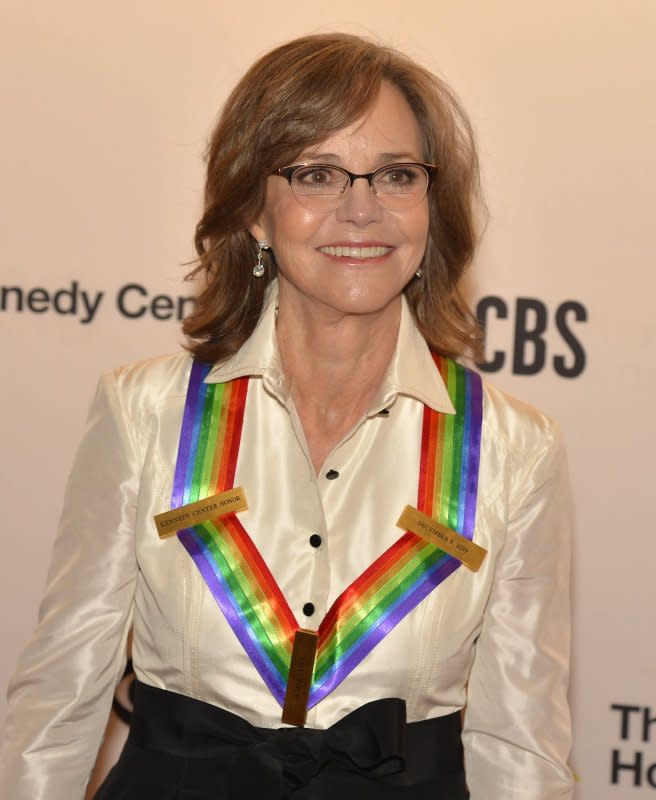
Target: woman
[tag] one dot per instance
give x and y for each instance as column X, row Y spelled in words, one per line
column 338, row 220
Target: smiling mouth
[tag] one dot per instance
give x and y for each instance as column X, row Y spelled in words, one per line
column 356, row 252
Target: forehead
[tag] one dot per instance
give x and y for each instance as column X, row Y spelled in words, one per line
column 388, row 130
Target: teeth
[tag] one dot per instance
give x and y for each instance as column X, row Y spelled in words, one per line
column 356, row 252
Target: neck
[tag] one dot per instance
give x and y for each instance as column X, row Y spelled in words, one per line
column 334, row 364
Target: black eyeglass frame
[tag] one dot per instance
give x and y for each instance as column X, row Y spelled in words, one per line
column 430, row 169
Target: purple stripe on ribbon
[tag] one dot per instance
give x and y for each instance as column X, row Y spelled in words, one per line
column 464, row 462
column 198, row 373
column 197, row 444
column 230, row 608
column 474, row 453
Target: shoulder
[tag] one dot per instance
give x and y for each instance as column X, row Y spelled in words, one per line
column 517, row 435
column 515, row 423
column 147, row 387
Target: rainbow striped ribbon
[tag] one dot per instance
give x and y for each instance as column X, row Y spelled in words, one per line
column 383, row 594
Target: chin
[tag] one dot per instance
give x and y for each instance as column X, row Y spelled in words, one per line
column 362, row 299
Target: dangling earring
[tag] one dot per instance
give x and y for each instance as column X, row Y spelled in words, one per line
column 258, row 269
column 419, row 273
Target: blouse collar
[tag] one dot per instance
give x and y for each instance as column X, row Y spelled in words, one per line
column 411, row 372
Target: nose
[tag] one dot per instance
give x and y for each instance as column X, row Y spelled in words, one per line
column 359, row 205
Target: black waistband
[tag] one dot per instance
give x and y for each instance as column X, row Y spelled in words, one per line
column 181, row 747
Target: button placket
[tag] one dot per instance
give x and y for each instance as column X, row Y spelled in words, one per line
column 312, row 606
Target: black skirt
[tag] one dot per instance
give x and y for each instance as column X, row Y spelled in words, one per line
column 183, row 749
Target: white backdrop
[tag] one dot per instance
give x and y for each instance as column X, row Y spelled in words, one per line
column 106, row 107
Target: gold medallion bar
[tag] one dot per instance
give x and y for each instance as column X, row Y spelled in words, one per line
column 209, row 508
column 469, row 553
column 304, row 651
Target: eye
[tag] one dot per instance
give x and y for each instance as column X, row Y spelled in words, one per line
column 317, row 177
column 399, row 176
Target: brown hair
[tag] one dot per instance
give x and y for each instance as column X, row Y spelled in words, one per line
column 294, row 97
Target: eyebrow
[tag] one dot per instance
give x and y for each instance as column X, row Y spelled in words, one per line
column 382, row 158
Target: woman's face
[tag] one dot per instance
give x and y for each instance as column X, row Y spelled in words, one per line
column 304, row 241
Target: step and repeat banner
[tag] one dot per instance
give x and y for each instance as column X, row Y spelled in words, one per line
column 106, row 110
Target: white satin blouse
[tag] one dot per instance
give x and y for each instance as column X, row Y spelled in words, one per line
column 494, row 642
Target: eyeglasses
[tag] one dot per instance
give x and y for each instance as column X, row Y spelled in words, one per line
column 323, row 187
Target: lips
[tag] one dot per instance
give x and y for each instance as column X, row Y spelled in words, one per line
column 354, row 251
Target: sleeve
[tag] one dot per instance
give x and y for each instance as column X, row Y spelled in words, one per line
column 60, row 696
column 516, row 731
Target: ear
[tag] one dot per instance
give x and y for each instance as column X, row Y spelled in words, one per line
column 257, row 232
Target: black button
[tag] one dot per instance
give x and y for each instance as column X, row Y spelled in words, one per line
column 315, row 540
column 332, row 474
column 308, row 609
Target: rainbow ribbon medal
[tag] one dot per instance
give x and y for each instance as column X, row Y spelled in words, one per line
column 392, row 586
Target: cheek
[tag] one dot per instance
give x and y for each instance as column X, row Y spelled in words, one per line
column 286, row 222
column 416, row 231
column 422, row 225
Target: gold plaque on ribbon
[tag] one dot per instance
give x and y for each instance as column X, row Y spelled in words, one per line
column 218, row 505
column 469, row 553
column 304, row 651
